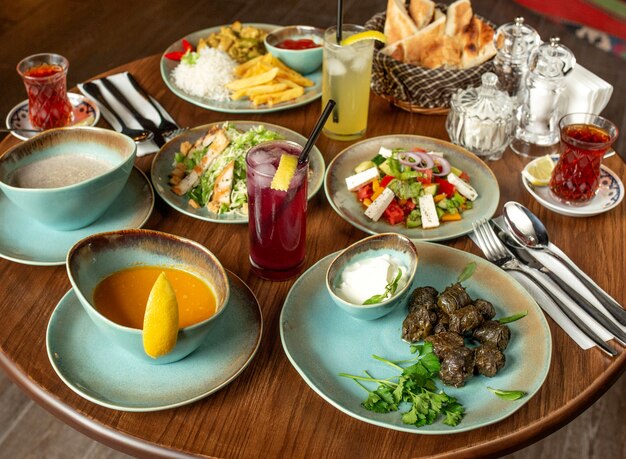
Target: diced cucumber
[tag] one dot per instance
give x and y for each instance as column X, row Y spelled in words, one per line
column 385, row 168
column 440, row 212
column 365, row 165
column 443, row 204
column 414, row 223
column 431, row 189
column 456, row 171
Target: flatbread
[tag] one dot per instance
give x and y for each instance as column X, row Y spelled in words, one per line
column 412, row 49
column 422, row 12
column 477, row 43
column 459, row 15
column 398, row 24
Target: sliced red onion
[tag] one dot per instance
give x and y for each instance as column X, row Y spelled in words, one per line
column 444, row 167
column 416, row 160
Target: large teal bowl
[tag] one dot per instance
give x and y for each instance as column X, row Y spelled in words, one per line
column 400, row 248
column 96, row 257
column 78, row 205
column 301, row 60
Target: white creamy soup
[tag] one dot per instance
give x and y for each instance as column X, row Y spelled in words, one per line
column 58, row 171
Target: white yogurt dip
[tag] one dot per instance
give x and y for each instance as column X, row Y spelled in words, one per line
column 365, row 278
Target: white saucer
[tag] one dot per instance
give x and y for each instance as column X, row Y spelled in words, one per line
column 25, row 240
column 85, row 113
column 609, row 195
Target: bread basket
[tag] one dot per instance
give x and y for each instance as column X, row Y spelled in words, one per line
column 418, row 89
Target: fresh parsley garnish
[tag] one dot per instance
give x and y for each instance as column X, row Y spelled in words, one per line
column 415, row 386
column 390, row 289
column 508, row 394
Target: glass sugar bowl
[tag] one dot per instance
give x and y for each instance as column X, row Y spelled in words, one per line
column 482, row 119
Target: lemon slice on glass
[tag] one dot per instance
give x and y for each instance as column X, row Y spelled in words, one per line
column 284, row 173
column 539, row 170
column 366, row 35
column 160, row 321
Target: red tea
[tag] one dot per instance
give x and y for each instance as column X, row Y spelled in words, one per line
column 576, row 175
column 48, row 104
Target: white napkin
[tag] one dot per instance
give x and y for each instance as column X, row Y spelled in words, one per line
column 584, row 92
column 551, row 309
column 121, row 81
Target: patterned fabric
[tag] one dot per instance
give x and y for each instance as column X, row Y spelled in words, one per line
column 419, row 86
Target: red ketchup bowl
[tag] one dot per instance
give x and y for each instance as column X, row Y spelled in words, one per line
column 298, row 47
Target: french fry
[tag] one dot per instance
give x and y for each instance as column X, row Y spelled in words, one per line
column 253, row 81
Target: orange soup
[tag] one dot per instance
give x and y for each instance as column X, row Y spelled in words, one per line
column 122, row 296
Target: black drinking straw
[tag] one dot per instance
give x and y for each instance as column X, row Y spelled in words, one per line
column 315, row 133
column 339, row 20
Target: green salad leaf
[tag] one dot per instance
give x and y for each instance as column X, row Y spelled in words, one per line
column 507, row 394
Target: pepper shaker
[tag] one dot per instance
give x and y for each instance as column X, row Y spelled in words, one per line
column 537, row 133
column 514, row 42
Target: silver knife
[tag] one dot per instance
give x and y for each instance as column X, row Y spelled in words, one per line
column 522, row 254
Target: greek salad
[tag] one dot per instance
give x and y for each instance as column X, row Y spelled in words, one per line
column 417, row 188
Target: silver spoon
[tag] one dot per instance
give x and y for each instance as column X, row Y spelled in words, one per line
column 529, row 231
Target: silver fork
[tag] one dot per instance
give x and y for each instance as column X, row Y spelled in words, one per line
column 169, row 135
column 498, row 254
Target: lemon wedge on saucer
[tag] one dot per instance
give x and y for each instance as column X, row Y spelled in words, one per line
column 539, row 170
column 366, row 35
column 284, row 173
column 160, row 321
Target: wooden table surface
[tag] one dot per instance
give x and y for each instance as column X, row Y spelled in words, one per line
column 269, row 410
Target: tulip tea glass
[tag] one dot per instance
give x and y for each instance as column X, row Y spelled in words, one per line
column 346, row 76
column 585, row 138
column 44, row 76
column 276, row 219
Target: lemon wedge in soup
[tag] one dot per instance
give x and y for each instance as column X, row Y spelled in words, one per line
column 367, row 35
column 160, row 322
column 284, row 173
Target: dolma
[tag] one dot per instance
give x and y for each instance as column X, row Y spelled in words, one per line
column 422, row 296
column 488, row 360
column 419, row 323
column 465, row 320
column 493, row 333
column 485, row 308
column 452, row 298
column 444, row 343
column 442, row 324
column 457, row 366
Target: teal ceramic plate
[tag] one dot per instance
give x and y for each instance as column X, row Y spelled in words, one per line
column 27, row 241
column 233, row 106
column 164, row 159
column 350, row 209
column 322, row 341
column 108, row 376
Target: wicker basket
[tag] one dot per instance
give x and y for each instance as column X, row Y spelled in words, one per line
column 418, row 89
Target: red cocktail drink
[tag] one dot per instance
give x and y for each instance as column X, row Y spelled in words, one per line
column 277, row 219
column 585, row 138
column 44, row 76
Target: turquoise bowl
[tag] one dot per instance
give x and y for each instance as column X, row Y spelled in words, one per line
column 95, row 257
column 301, row 60
column 400, row 248
column 80, row 204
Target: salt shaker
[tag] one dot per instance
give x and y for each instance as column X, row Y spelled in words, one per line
column 482, row 119
column 537, row 133
column 514, row 42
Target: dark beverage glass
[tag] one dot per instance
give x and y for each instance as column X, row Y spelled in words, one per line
column 585, row 139
column 277, row 219
column 45, row 79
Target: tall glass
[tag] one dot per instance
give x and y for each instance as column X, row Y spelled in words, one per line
column 44, row 76
column 277, row 219
column 346, row 76
column 585, row 138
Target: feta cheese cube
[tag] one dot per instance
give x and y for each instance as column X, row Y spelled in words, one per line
column 356, row 181
column 462, row 187
column 384, row 152
column 430, row 219
column 376, row 208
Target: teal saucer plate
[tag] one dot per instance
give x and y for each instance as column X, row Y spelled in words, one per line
column 25, row 240
column 321, row 341
column 110, row 377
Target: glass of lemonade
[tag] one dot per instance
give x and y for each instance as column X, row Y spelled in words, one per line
column 277, row 219
column 347, row 72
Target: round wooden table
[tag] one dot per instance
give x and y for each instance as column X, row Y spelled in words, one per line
column 269, row 411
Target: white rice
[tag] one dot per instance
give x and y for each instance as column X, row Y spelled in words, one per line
column 208, row 76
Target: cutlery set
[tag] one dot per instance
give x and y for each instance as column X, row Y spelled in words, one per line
column 509, row 242
column 157, row 131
